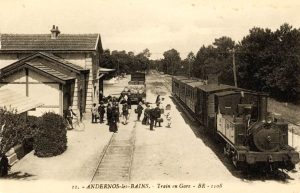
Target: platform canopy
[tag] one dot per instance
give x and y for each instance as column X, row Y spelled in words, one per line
column 105, row 70
column 12, row 100
column 102, row 71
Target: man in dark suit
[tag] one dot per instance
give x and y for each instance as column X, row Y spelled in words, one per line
column 101, row 111
column 139, row 110
column 157, row 113
column 152, row 118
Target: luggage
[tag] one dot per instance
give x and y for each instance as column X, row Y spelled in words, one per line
column 135, row 110
column 162, row 111
column 168, row 107
column 160, row 120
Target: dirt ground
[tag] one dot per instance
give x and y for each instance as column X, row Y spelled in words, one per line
column 182, row 154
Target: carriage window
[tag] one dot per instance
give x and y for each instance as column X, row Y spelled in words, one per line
column 188, row 93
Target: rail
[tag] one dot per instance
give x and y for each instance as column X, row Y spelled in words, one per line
column 115, row 162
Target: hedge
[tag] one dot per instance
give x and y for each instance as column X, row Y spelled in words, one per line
column 51, row 136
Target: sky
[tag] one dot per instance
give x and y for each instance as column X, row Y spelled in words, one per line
column 158, row 25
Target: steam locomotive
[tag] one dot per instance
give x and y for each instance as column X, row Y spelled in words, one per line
column 239, row 117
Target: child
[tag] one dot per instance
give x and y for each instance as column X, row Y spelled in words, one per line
column 94, row 113
column 168, row 117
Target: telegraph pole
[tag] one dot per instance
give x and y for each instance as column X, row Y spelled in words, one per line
column 234, row 67
column 189, row 69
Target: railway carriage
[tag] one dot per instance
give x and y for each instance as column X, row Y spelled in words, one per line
column 176, row 80
column 239, row 117
column 183, row 94
column 205, row 109
column 192, row 96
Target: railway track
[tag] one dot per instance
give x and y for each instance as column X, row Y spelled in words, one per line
column 164, row 81
column 115, row 162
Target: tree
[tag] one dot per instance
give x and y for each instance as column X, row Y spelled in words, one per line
column 283, row 81
column 190, row 59
column 215, row 59
column 125, row 62
column 142, row 60
column 256, row 61
column 187, row 64
column 270, row 61
column 106, row 59
column 171, row 61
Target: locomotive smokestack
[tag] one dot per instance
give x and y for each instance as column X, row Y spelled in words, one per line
column 263, row 103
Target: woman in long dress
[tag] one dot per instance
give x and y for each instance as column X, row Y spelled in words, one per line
column 157, row 99
column 113, row 125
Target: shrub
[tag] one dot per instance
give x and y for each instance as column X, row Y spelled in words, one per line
column 51, row 135
column 13, row 129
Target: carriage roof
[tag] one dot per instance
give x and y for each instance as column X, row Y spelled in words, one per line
column 209, row 88
column 190, row 80
column 196, row 84
column 237, row 91
column 180, row 77
column 225, row 93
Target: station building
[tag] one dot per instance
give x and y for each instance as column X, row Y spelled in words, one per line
column 59, row 70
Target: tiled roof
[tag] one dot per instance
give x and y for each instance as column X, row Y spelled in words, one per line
column 75, row 42
column 46, row 59
column 13, row 100
column 40, row 66
column 61, row 60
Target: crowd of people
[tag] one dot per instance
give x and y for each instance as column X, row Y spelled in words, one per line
column 118, row 110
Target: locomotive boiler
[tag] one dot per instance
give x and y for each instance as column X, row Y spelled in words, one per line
column 251, row 136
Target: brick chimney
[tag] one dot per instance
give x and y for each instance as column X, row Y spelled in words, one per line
column 54, row 32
